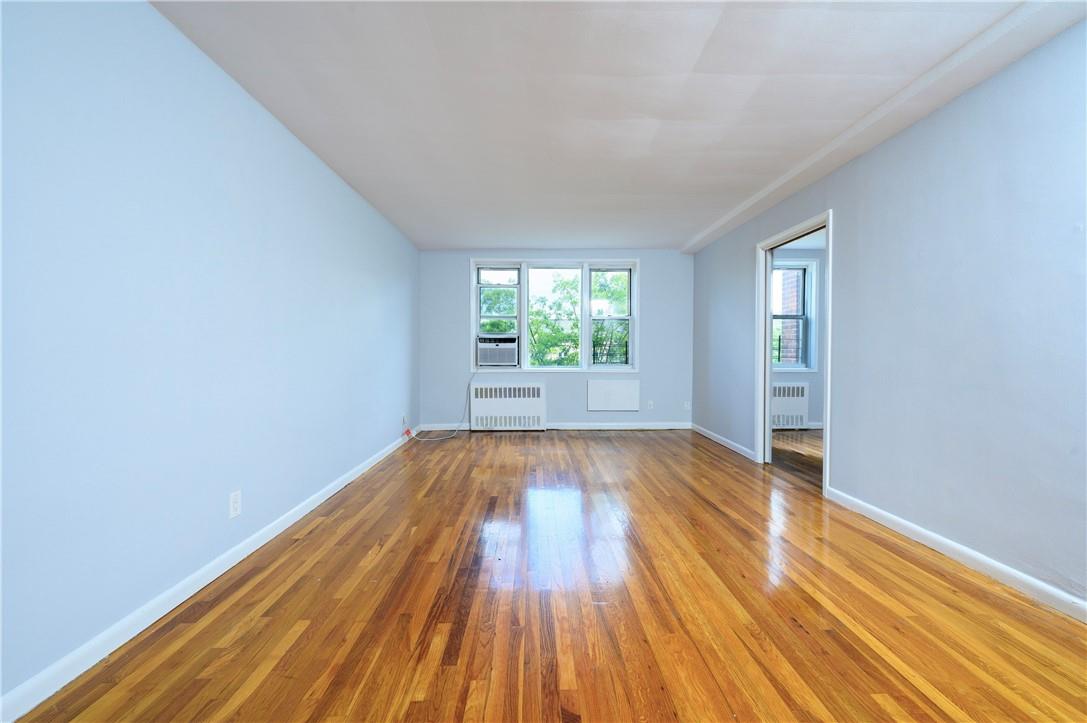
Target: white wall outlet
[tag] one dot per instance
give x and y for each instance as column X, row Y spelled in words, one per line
column 687, row 406
column 235, row 503
column 649, row 404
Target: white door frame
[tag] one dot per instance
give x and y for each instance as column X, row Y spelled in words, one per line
column 763, row 267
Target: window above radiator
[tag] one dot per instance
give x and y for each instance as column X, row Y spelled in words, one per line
column 562, row 315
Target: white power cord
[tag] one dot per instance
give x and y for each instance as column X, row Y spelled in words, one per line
column 463, row 416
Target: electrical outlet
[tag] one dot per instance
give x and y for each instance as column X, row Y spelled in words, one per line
column 687, row 406
column 235, row 503
column 649, row 404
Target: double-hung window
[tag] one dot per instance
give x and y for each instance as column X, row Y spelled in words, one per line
column 790, row 306
column 554, row 316
column 563, row 315
column 611, row 315
column 499, row 297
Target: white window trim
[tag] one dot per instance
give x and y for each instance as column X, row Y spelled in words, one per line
column 480, row 286
column 586, row 299
column 811, row 306
column 585, row 357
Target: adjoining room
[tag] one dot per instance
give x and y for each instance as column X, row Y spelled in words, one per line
column 538, row 361
column 799, row 291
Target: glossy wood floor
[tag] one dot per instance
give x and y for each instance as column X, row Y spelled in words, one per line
column 799, row 452
column 604, row 576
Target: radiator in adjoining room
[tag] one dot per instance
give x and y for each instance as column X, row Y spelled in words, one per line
column 789, row 405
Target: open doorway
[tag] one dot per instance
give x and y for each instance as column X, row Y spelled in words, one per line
column 794, row 318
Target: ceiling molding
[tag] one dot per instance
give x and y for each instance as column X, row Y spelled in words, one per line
column 1026, row 27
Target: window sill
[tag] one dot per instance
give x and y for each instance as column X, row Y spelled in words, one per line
column 794, row 370
column 554, row 370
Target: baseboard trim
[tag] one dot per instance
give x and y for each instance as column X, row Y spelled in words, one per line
column 725, row 442
column 22, row 699
column 572, row 425
column 602, row 426
column 441, row 427
column 1039, row 590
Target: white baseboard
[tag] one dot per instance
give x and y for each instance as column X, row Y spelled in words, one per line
column 619, row 425
column 1041, row 591
column 24, row 697
column 725, row 441
column 572, row 425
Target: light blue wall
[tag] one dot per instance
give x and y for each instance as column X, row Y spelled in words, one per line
column 958, row 390
column 664, row 349
column 192, row 303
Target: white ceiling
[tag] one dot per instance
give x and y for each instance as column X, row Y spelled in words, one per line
column 578, row 125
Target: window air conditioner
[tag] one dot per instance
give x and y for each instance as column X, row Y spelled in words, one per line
column 496, row 351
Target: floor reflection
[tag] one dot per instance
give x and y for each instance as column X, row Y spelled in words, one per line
column 775, row 527
column 570, row 540
column 800, row 453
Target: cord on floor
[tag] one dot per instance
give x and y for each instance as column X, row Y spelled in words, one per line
column 463, row 417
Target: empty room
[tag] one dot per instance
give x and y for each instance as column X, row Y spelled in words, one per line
column 543, row 361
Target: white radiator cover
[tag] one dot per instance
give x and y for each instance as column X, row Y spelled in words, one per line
column 789, row 405
column 508, row 406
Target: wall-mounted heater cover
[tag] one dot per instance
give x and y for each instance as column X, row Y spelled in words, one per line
column 501, row 407
column 789, row 405
column 614, row 395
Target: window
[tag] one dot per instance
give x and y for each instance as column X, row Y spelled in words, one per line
column 559, row 315
column 610, row 303
column 790, row 298
column 499, row 293
column 554, row 317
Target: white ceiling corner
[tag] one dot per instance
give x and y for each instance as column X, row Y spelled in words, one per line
column 600, row 125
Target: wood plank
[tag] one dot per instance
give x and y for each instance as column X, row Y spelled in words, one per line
column 590, row 576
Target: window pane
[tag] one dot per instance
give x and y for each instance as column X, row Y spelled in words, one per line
column 497, row 301
column 498, row 326
column 787, row 292
column 611, row 341
column 787, row 342
column 499, row 277
column 554, row 317
column 611, row 293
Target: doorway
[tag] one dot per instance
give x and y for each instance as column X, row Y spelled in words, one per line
column 794, row 351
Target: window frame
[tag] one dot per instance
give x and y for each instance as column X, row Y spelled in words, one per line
column 585, row 364
column 809, row 319
column 480, row 286
column 629, row 317
column 525, row 364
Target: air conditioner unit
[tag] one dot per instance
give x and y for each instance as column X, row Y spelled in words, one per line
column 496, row 351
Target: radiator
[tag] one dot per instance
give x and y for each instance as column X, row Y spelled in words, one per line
column 508, row 406
column 789, row 405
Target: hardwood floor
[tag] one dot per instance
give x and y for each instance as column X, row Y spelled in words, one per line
column 605, row 576
column 799, row 452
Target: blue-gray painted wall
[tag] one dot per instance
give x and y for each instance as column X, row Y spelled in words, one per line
column 193, row 303
column 958, row 397
column 663, row 312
